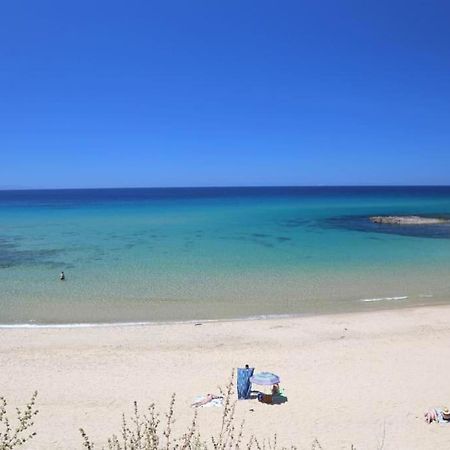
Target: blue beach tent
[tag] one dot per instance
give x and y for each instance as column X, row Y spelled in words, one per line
column 243, row 382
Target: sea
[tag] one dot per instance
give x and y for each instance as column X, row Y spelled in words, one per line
column 193, row 254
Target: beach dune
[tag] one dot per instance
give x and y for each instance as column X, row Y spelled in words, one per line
column 362, row 378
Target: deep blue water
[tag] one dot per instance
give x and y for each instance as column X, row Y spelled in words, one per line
column 84, row 196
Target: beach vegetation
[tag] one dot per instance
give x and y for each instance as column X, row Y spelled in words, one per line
column 153, row 431
column 15, row 433
column 149, row 430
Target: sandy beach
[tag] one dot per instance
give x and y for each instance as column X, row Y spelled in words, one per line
column 362, row 379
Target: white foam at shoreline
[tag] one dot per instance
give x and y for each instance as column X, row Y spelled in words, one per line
column 381, row 299
column 74, row 325
column 174, row 322
column 138, row 324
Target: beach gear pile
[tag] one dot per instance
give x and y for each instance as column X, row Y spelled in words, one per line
column 246, row 378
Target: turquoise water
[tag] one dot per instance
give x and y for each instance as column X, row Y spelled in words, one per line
column 179, row 254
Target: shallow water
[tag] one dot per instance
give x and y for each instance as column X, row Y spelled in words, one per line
column 180, row 254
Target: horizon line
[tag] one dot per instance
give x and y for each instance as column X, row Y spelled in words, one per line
column 15, row 189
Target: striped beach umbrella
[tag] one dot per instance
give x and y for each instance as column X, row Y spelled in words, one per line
column 265, row 378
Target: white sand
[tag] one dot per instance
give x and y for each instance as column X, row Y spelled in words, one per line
column 347, row 377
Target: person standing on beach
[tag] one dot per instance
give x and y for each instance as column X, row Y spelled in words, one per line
column 62, row 277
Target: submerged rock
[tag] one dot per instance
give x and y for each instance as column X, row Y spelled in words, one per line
column 408, row 220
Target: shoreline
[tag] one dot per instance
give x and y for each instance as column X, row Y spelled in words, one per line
column 380, row 307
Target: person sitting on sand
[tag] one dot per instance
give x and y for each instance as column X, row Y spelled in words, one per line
column 204, row 401
column 437, row 415
column 269, row 398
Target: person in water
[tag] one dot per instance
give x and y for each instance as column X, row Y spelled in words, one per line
column 62, row 277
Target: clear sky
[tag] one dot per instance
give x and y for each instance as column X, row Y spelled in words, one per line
column 211, row 93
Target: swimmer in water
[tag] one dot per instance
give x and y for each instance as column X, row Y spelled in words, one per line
column 62, row 277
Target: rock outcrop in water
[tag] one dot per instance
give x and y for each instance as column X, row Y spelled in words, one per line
column 408, row 220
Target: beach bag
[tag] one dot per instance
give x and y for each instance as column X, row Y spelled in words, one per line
column 243, row 382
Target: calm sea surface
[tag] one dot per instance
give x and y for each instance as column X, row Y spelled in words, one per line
column 136, row 255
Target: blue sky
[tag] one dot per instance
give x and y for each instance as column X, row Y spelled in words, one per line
column 210, row 93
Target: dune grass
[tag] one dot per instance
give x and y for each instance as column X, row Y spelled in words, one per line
column 153, row 431
column 148, row 430
column 17, row 432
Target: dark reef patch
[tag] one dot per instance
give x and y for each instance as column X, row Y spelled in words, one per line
column 365, row 225
column 11, row 255
column 247, row 238
column 294, row 223
column 259, row 235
